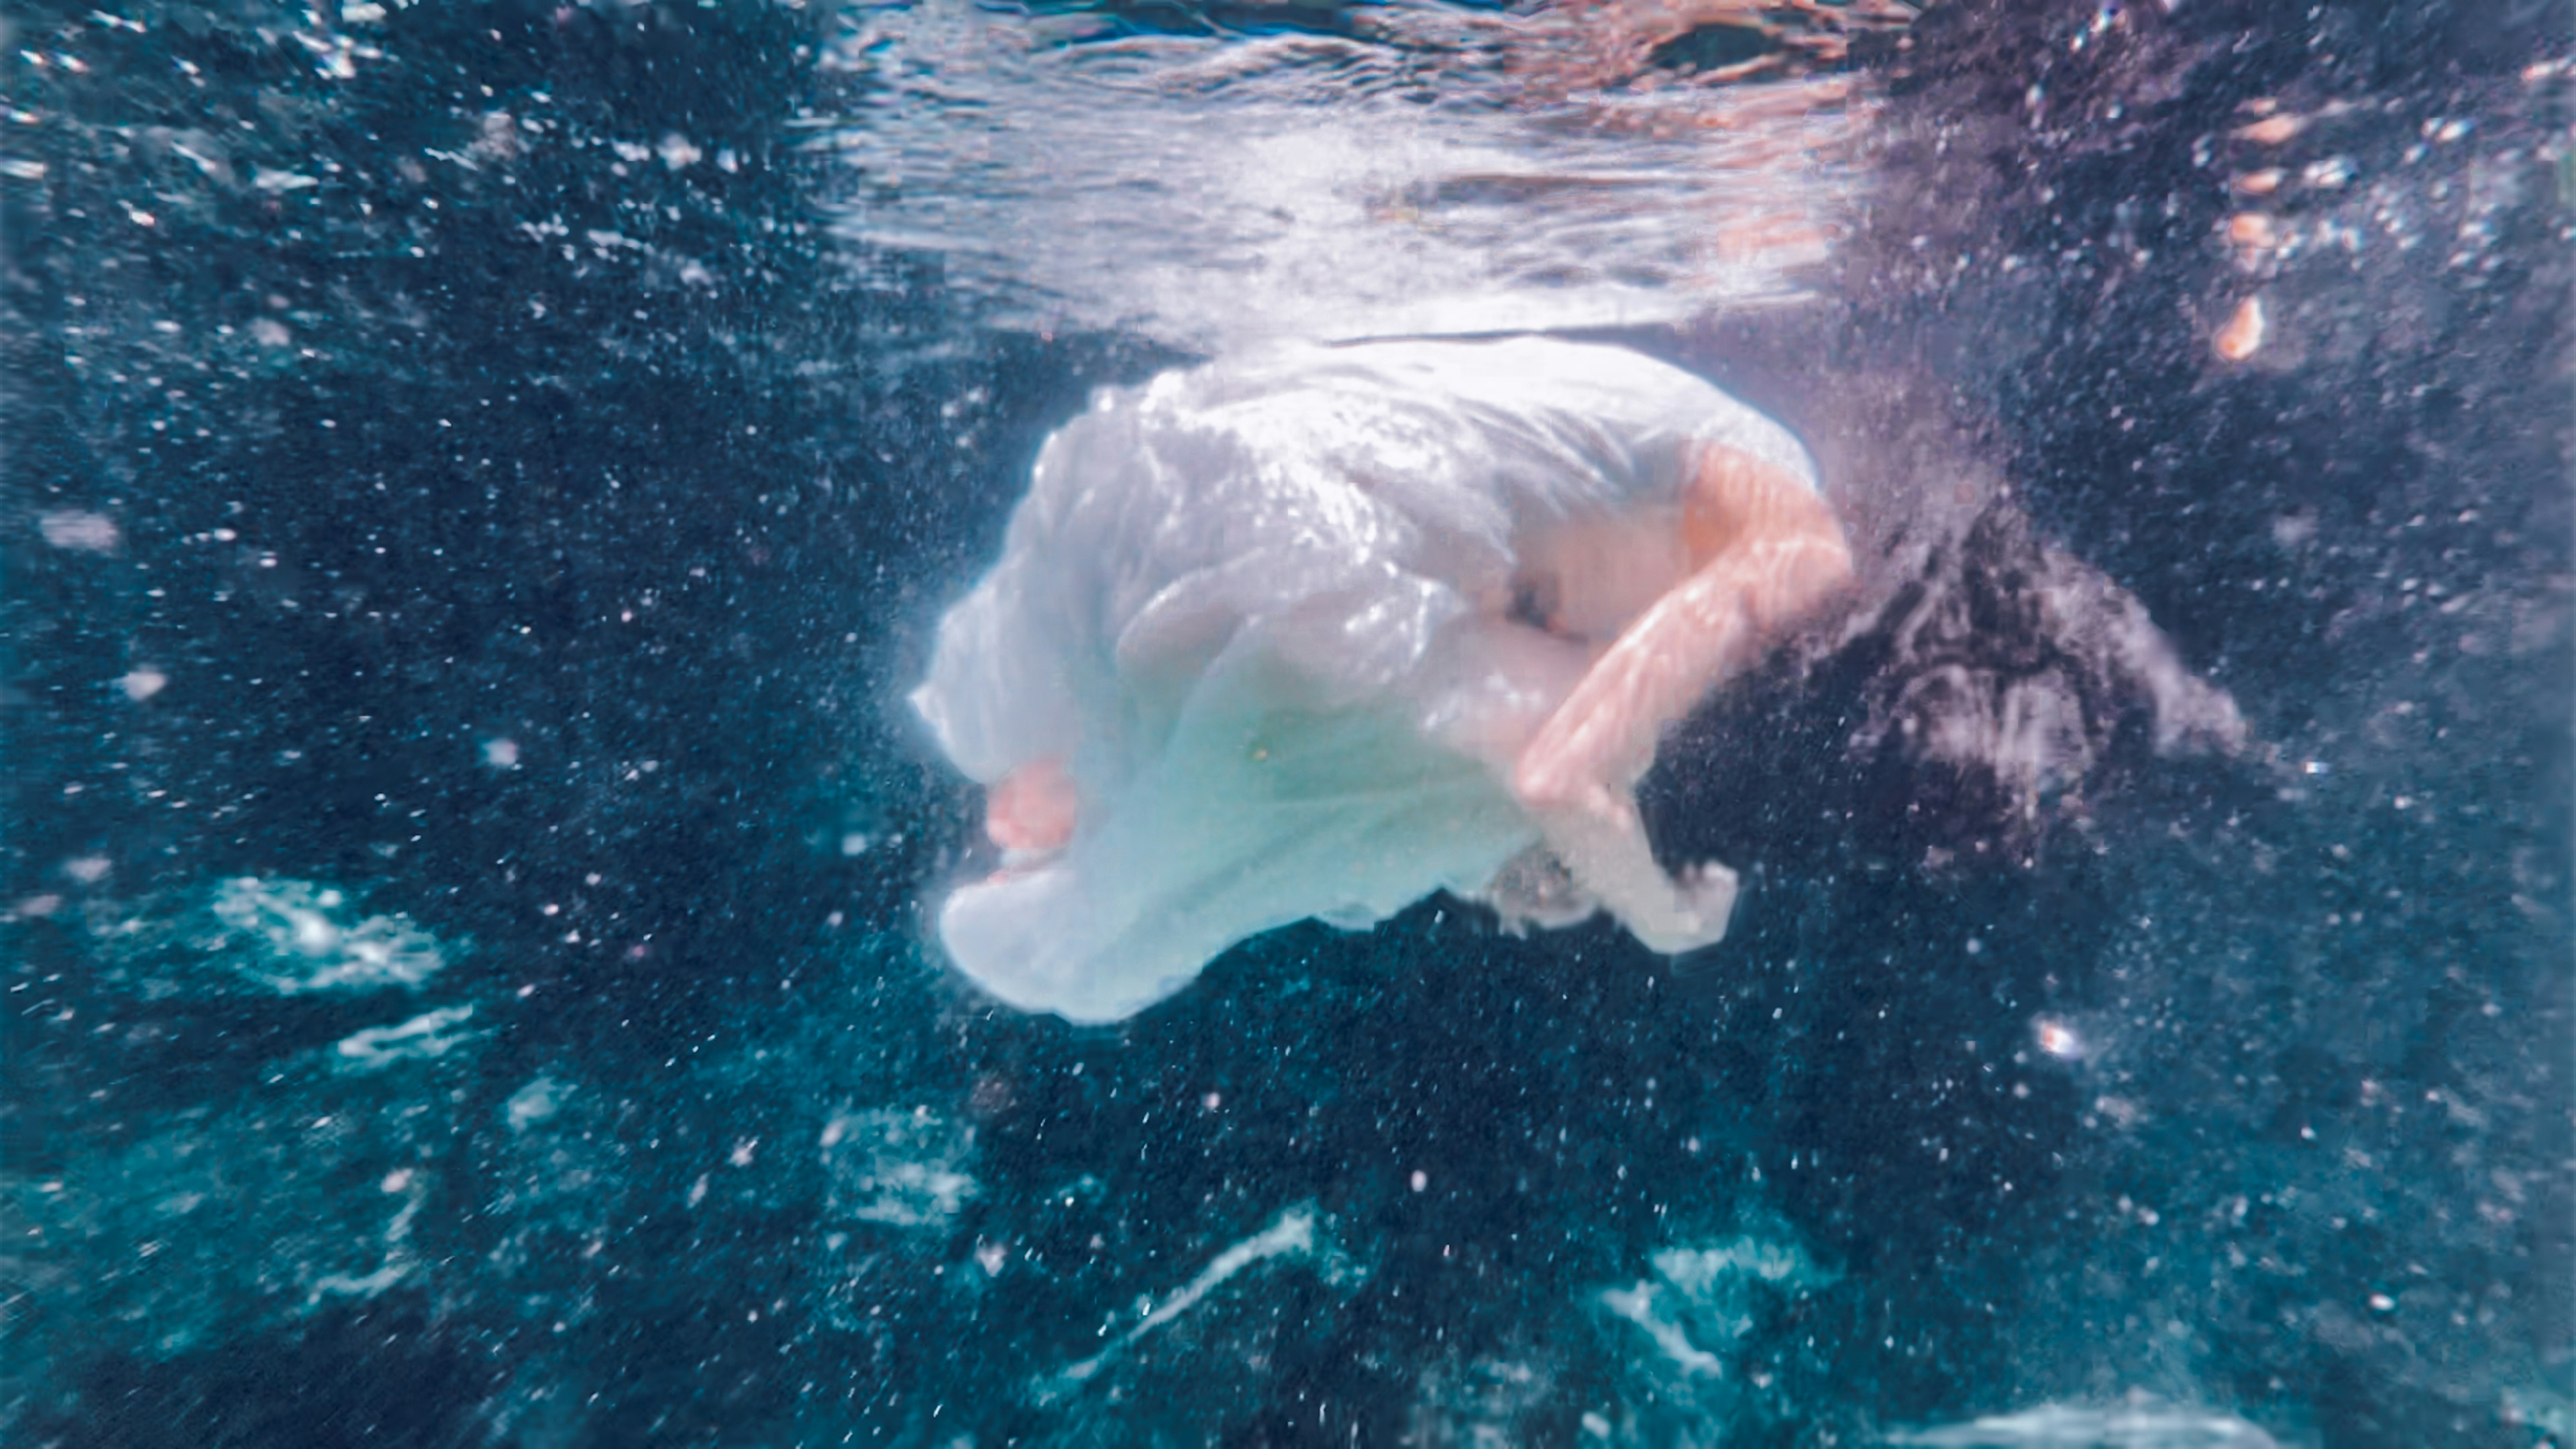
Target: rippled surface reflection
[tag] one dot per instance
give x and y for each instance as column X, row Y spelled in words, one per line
column 1372, row 171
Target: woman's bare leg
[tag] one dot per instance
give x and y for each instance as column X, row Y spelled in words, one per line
column 1766, row 551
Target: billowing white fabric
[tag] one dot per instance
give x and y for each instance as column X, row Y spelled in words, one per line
column 1258, row 609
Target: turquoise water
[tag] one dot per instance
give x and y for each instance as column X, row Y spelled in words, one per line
column 481, row 477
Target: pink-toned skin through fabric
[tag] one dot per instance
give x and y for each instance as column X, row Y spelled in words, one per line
column 1035, row 808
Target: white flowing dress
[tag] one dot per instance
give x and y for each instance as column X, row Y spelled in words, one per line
column 1262, row 612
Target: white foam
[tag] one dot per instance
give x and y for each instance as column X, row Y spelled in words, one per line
column 427, row 1035
column 2141, row 1424
column 901, row 1169
column 310, row 945
column 79, row 530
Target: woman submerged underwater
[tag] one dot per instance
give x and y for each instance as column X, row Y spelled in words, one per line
column 1318, row 632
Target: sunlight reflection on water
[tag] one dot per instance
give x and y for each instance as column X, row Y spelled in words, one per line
column 1437, row 170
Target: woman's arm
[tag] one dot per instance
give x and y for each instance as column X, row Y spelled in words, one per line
column 1765, row 552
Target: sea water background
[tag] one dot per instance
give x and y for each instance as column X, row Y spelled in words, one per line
column 478, row 474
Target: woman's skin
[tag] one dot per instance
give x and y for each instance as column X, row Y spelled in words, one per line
column 1765, row 552
column 1033, row 809
column 1758, row 551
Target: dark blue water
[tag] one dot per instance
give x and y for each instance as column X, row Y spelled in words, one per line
column 466, row 979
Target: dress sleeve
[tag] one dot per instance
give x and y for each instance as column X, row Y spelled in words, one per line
column 995, row 698
column 1015, row 663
